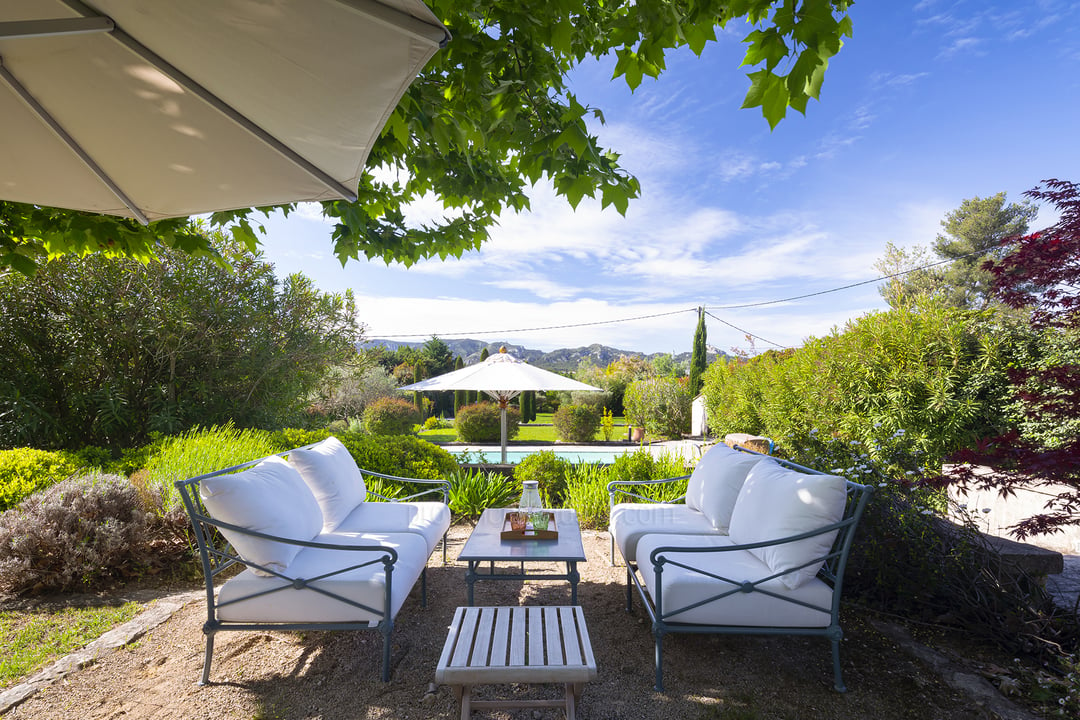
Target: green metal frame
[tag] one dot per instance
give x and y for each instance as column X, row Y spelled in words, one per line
column 217, row 556
column 832, row 573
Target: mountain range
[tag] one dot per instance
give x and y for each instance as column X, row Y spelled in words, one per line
column 562, row 360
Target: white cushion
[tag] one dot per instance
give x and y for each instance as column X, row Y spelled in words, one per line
column 713, row 457
column 331, row 472
column 430, row 520
column 270, row 498
column 366, row 585
column 775, row 503
column 721, row 483
column 630, row 521
column 683, row 587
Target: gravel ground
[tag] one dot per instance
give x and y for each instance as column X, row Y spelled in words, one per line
column 336, row 675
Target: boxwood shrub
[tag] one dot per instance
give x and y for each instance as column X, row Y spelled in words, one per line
column 576, row 423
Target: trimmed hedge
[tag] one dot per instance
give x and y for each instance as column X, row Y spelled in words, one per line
column 576, row 423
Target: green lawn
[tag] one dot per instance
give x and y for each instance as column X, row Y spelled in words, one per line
column 541, row 431
column 33, row 639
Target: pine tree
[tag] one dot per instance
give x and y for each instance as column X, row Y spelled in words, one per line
column 697, row 358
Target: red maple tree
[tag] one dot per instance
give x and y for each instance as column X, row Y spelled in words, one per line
column 1041, row 273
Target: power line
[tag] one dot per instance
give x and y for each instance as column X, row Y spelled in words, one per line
column 694, row 309
column 744, row 332
column 547, row 327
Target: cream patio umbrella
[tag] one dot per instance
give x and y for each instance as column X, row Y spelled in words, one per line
column 151, row 109
column 503, row 377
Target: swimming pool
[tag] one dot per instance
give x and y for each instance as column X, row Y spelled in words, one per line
column 492, row 455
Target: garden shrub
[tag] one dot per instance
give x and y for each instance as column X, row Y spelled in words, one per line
column 586, row 492
column 576, row 423
column 391, row 416
column 473, row 491
column 480, row 422
column 550, row 471
column 661, row 405
column 25, row 470
column 193, row 453
column 641, row 465
column 80, row 534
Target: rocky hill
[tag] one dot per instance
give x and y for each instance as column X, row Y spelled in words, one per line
column 564, row 359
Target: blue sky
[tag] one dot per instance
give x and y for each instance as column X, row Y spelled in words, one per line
column 929, row 103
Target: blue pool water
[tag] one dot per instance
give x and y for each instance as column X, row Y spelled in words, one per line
column 513, row 457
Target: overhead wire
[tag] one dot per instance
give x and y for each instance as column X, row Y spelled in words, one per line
column 742, row 306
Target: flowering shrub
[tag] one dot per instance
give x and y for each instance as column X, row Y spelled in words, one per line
column 391, row 416
column 576, row 423
column 79, row 534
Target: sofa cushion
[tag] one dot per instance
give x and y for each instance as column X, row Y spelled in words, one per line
column 630, row 521
column 365, row 585
column 429, row 520
column 270, row 498
column 708, row 463
column 683, row 588
column 330, row 471
column 721, row 483
column 775, row 503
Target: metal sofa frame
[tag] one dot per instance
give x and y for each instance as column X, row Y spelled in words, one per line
column 832, row 573
column 218, row 556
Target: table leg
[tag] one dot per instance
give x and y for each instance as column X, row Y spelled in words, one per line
column 573, row 576
column 466, row 703
column 571, row 713
column 470, row 578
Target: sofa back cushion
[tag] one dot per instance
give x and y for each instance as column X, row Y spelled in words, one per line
column 721, row 481
column 775, row 503
column 270, row 498
column 331, row 472
column 708, row 463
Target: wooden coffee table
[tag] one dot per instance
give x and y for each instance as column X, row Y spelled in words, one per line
column 492, row 645
column 485, row 545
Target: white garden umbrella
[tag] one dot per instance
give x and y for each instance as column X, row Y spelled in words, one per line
column 166, row 108
column 503, row 377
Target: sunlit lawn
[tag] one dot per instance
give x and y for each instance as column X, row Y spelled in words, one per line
column 540, row 431
column 33, row 639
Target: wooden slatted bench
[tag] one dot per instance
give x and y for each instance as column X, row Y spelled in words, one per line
column 489, row 645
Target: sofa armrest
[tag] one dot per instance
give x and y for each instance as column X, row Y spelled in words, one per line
column 615, row 488
column 442, row 487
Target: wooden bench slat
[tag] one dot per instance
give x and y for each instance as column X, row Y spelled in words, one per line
column 485, row 626
column 499, row 642
column 465, row 638
column 536, row 636
column 517, row 639
column 553, row 637
column 571, row 639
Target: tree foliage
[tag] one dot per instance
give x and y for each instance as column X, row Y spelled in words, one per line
column 1041, row 271
column 974, row 233
column 488, row 117
column 103, row 351
column 930, row 378
column 698, row 363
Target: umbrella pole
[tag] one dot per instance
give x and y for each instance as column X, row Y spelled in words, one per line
column 502, row 428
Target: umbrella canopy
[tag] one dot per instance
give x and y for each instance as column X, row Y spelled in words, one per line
column 502, row 376
column 157, row 108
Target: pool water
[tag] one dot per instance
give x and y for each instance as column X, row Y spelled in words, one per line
column 513, row 457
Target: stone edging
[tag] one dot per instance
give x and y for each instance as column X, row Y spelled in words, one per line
column 158, row 612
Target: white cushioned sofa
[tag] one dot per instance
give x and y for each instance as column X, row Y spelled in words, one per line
column 756, row 545
column 318, row 549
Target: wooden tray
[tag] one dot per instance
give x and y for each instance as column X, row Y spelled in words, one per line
column 552, row 533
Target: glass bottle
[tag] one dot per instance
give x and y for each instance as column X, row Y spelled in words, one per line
column 530, row 503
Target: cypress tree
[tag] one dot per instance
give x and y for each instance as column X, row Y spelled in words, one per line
column 460, row 396
column 697, row 357
column 418, row 397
